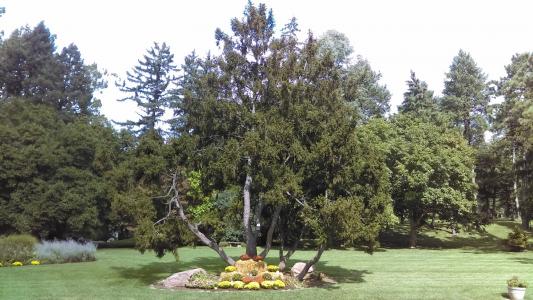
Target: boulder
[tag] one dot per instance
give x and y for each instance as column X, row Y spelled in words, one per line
column 178, row 280
column 299, row 267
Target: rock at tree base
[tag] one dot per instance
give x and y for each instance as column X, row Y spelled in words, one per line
column 178, row 280
column 298, row 268
column 246, row 266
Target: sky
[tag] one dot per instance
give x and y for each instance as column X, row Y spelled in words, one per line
column 394, row 36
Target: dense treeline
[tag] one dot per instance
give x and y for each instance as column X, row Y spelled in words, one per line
column 273, row 138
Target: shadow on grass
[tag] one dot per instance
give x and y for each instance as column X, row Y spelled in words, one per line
column 505, row 296
column 523, row 260
column 155, row 271
column 340, row 274
column 477, row 241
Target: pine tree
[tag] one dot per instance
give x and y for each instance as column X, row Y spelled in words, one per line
column 79, row 83
column 28, row 67
column 149, row 85
column 418, row 99
column 466, row 97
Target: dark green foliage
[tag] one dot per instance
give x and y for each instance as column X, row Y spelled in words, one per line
column 17, row 247
column 466, row 97
column 517, row 240
column 267, row 276
column 30, row 68
column 513, row 119
column 494, row 177
column 418, row 99
column 53, row 174
column 149, row 86
column 431, row 174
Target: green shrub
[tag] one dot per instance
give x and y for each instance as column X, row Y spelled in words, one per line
column 267, row 276
column 57, row 252
column 237, row 277
column 17, row 247
column 253, row 272
column 515, row 282
column 517, row 240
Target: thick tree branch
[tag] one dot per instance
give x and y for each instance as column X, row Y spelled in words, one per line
column 270, row 232
column 311, row 262
column 193, row 227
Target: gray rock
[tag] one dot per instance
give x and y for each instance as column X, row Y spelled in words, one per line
column 299, row 267
column 178, row 280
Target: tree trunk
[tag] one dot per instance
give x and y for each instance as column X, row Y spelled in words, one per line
column 413, row 232
column 283, row 258
column 515, row 185
column 467, row 130
column 270, row 232
column 311, row 262
column 251, row 240
column 194, row 227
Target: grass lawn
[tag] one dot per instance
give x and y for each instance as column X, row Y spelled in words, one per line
column 472, row 267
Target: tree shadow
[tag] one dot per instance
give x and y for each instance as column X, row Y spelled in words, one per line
column 477, row 241
column 340, row 274
column 523, row 260
column 152, row 272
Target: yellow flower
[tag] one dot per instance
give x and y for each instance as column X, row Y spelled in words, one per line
column 1, row 265
column 35, row 262
column 230, row 269
column 17, row 264
column 279, row 284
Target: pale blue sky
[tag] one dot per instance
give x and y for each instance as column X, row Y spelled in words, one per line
column 395, row 36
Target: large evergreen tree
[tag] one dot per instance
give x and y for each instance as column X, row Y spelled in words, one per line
column 54, row 175
column 149, row 85
column 466, row 97
column 267, row 117
column 30, row 68
column 513, row 124
column 418, row 99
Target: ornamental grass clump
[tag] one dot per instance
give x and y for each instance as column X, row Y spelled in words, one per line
column 57, row 252
column 17, row 247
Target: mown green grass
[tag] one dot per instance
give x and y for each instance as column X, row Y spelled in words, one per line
column 449, row 273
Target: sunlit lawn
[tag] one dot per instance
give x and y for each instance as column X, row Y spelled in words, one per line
column 456, row 273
